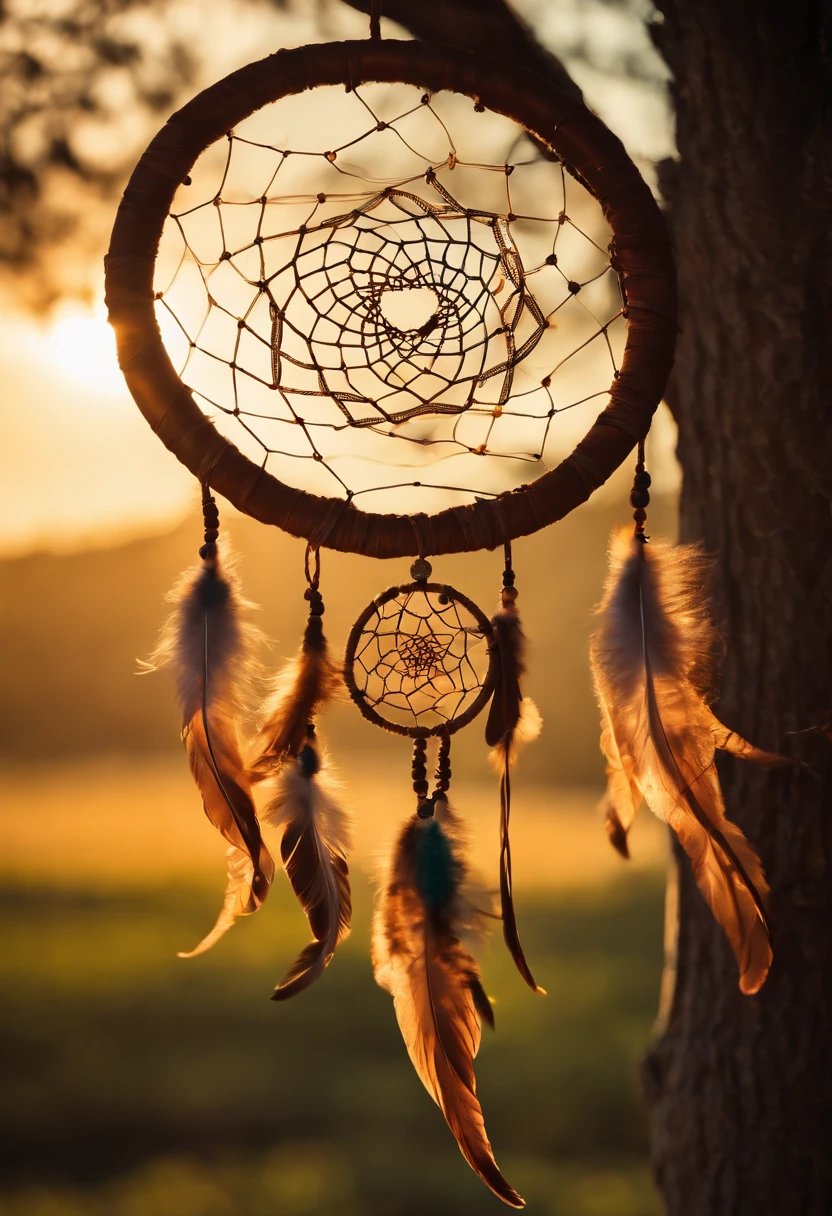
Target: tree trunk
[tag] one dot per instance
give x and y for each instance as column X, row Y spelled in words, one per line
column 740, row 1088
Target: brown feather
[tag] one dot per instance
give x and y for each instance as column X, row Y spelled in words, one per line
column 316, row 838
column 652, row 658
column 512, row 722
column 435, row 983
column 302, row 688
column 209, row 648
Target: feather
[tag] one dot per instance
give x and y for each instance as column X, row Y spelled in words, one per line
column 306, row 683
column 437, row 992
column 513, row 721
column 623, row 797
column 652, row 657
column 316, row 839
column 238, row 900
column 209, row 649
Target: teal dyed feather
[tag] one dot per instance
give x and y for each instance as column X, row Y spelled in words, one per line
column 438, row 873
column 435, row 983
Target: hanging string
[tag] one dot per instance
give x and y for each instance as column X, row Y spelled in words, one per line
column 375, row 20
column 639, row 495
column 312, row 570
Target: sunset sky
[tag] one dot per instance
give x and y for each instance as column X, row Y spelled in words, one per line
column 79, row 464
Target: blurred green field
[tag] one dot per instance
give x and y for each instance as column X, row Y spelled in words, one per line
column 137, row 1084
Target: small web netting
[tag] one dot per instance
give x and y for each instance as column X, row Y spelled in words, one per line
column 420, row 659
column 390, row 296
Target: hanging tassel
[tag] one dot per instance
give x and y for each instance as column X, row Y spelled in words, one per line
column 316, row 840
column 304, row 686
column 652, row 658
column 316, row 830
column 209, row 648
column 440, row 1002
column 513, row 721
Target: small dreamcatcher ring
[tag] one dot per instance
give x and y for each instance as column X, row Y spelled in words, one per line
column 641, row 257
column 404, row 664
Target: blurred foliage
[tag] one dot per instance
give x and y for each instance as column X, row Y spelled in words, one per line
column 82, row 80
column 135, row 1083
column 72, row 627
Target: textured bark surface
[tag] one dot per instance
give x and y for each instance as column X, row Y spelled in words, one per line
column 740, row 1088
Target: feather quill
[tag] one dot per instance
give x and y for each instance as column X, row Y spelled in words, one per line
column 513, row 721
column 316, row 839
column 652, row 656
column 437, row 992
column 208, row 646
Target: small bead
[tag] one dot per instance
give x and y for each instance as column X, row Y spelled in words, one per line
column 639, row 498
column 425, row 808
column 509, row 595
column 421, row 570
column 420, row 788
column 208, row 551
column 211, row 534
column 640, row 515
column 508, row 578
column 643, row 480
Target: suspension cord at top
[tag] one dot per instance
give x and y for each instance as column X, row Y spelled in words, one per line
column 375, row 20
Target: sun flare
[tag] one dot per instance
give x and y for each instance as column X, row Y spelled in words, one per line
column 80, row 345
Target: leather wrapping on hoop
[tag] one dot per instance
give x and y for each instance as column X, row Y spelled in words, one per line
column 641, row 255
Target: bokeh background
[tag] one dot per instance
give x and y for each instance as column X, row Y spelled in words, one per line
column 135, row 1083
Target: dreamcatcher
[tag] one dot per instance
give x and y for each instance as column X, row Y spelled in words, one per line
column 402, row 276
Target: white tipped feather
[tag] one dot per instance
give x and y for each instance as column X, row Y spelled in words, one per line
column 652, row 658
column 526, row 729
column 209, row 647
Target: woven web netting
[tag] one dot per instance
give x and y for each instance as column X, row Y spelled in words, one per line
column 420, row 659
column 390, row 297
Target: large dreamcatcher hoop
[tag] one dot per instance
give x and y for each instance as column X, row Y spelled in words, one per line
column 640, row 255
column 334, row 326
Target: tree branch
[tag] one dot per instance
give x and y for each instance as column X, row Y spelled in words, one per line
column 490, row 26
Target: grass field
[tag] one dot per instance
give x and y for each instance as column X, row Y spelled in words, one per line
column 137, row 1084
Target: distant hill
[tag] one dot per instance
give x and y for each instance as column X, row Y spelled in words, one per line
column 72, row 628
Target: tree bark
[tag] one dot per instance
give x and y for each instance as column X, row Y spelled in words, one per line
column 740, row 1088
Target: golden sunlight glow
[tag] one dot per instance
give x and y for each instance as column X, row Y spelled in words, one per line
column 80, row 345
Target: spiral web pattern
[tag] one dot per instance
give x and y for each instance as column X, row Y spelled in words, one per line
column 319, row 308
column 420, row 659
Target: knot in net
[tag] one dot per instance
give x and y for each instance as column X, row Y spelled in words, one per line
column 418, row 660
